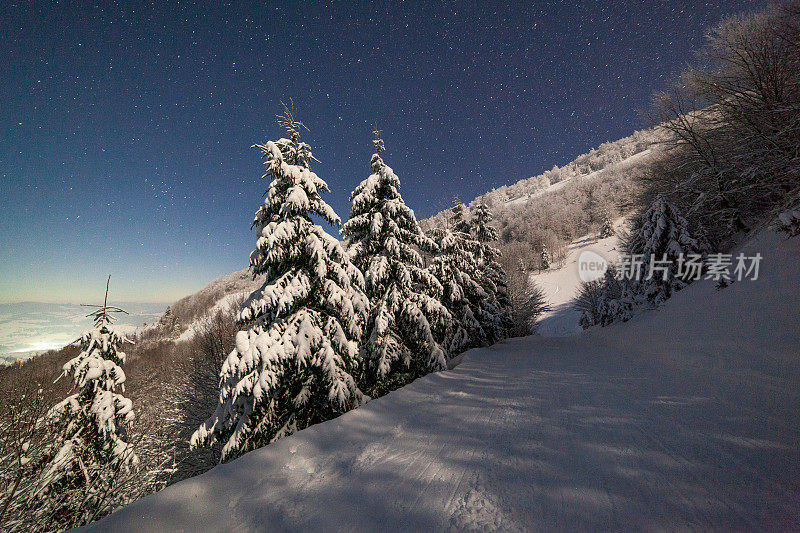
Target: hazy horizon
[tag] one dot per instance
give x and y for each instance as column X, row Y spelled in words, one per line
column 27, row 328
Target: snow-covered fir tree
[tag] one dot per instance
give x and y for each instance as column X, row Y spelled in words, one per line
column 450, row 266
column 661, row 257
column 607, row 230
column 295, row 361
column 459, row 221
column 544, row 257
column 661, row 237
column 406, row 319
column 90, row 446
column 457, row 268
column 491, row 275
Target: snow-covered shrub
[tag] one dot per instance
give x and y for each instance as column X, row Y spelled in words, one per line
column 527, row 300
column 533, row 305
column 23, row 439
column 295, row 362
column 587, row 301
column 669, row 257
column 406, row 320
column 607, row 300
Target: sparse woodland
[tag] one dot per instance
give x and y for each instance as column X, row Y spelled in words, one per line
column 330, row 324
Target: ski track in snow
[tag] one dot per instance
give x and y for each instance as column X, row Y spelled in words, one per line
column 561, row 285
column 683, row 418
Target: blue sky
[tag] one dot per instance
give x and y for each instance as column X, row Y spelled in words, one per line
column 125, row 130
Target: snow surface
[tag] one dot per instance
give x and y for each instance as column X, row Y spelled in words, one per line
column 683, row 418
column 561, row 285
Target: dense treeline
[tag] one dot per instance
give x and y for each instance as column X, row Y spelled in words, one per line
column 732, row 125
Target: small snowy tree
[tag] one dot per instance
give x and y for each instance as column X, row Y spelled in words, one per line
column 406, row 317
column 295, row 361
column 608, row 227
column 662, row 238
column 89, row 448
column 490, row 273
column 544, row 256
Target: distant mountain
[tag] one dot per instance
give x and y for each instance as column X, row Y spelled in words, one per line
column 177, row 322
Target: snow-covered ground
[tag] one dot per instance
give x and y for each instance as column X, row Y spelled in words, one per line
column 560, row 285
column 683, row 418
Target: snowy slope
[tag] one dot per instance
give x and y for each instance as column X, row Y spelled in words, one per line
column 226, row 303
column 560, row 285
column 683, row 418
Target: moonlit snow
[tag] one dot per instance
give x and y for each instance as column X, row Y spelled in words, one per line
column 682, row 418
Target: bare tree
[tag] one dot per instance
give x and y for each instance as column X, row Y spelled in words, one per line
column 733, row 123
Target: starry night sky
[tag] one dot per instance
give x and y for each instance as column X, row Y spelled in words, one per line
column 125, row 130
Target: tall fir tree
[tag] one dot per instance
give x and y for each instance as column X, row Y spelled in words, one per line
column 406, row 321
column 90, row 446
column 491, row 275
column 457, row 268
column 296, row 359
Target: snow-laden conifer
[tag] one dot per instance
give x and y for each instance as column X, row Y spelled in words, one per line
column 457, row 268
column 406, row 319
column 608, row 300
column 491, row 275
column 296, row 358
column 544, row 256
column 661, row 256
column 89, row 427
column 661, row 238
